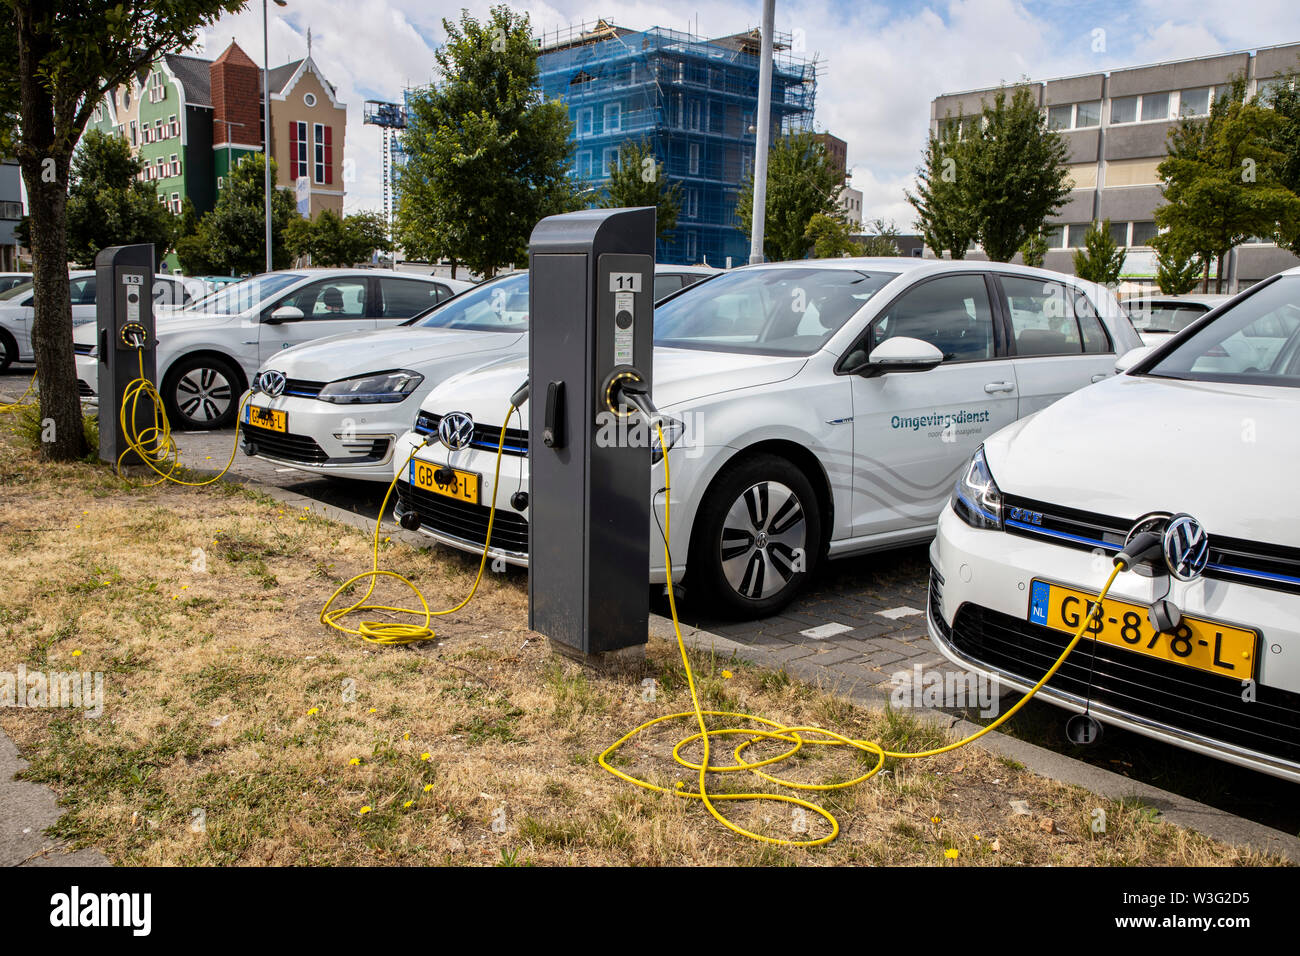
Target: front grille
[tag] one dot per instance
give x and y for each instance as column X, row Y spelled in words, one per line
column 304, row 449
column 1256, row 563
column 464, row 521
column 936, row 602
column 1157, row 691
column 83, row 348
column 301, row 388
column 84, row 390
column 485, row 436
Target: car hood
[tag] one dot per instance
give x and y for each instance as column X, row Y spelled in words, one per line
column 357, row 353
column 1131, row 445
column 681, row 376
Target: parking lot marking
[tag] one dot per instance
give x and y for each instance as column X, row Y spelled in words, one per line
column 894, row 613
column 823, row 631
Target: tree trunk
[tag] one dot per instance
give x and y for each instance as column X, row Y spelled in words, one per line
column 62, row 436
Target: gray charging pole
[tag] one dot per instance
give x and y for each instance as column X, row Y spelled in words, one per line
column 124, row 312
column 591, row 299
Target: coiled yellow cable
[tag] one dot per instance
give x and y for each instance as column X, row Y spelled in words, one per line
column 399, row 632
column 31, row 389
column 154, row 444
column 796, row 737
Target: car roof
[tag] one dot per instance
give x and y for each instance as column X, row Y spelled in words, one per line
column 921, row 267
column 1195, row 299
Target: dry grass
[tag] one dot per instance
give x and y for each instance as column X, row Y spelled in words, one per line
column 224, row 694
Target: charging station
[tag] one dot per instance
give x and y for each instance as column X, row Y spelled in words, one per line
column 124, row 313
column 591, row 296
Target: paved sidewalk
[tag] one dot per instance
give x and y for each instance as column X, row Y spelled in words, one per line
column 26, row 811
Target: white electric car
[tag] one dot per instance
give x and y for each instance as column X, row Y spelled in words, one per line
column 18, row 309
column 828, row 407
column 335, row 407
column 1157, row 316
column 208, row 353
column 1196, row 442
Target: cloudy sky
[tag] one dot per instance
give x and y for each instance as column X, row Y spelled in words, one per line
column 883, row 60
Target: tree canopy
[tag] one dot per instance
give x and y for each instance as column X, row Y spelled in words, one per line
column 637, row 179
column 801, row 183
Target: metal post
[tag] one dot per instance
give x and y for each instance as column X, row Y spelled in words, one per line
column 763, row 134
column 266, row 123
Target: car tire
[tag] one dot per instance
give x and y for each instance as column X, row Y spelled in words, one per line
column 8, row 350
column 202, row 393
column 756, row 519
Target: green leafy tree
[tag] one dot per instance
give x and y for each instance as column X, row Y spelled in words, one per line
column 1013, row 172
column 1102, row 258
column 487, row 156
column 235, row 229
column 1284, row 100
column 637, row 179
column 881, row 241
column 193, row 246
column 945, row 215
column 831, row 237
column 1221, row 179
column 58, row 59
column 331, row 240
column 1178, row 269
column 1034, row 251
column 109, row 206
column 801, row 182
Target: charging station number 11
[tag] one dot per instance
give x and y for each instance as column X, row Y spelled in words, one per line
column 625, row 282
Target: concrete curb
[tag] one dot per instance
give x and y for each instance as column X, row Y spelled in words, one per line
column 27, row 810
column 1206, row 820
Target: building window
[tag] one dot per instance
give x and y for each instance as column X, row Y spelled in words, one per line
column 584, row 121
column 1087, row 114
column 173, row 126
column 692, row 204
column 1119, row 232
column 221, row 182
column 610, row 163
column 176, row 204
column 176, row 165
column 613, row 117
column 324, row 154
column 135, row 136
column 1060, row 117
column 297, row 150
column 1124, row 110
column 694, row 165
column 1195, row 102
column 1155, row 106
column 1075, row 233
column 1143, row 233
column 1055, row 237
column 309, row 99
column 160, row 171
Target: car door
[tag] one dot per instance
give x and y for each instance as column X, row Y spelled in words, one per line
column 913, row 432
column 82, row 292
column 404, row 298
column 1057, row 341
column 327, row 307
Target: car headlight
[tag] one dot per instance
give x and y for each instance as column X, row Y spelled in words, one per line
column 976, row 498
column 369, row 389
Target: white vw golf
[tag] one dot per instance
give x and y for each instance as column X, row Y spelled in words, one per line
column 335, row 407
column 1197, row 443
column 828, row 405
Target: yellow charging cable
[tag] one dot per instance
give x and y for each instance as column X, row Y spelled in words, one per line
column 154, row 444
column 31, row 390
column 796, row 737
column 400, row 632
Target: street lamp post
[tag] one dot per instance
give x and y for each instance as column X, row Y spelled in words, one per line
column 758, row 219
column 266, row 122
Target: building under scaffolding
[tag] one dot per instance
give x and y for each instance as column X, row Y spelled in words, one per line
column 694, row 100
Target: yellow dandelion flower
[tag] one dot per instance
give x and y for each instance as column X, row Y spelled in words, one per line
column 935, row 820
column 313, row 712
column 364, row 811
column 727, row 674
column 428, row 787
column 978, row 838
column 407, row 805
column 950, row 854
column 355, row 761
column 374, row 710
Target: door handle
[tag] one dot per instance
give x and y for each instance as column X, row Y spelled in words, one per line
column 992, row 387
column 1100, row 376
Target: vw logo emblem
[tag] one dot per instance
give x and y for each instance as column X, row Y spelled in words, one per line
column 1187, row 547
column 271, row 382
column 456, row 430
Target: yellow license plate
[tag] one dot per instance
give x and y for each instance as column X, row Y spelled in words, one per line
column 1205, row 645
column 269, row 418
column 461, row 485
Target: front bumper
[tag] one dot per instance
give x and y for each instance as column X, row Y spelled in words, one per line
column 978, row 613
column 463, row 526
column 342, row 441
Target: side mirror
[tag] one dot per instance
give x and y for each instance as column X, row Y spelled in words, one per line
column 1131, row 358
column 286, row 313
column 898, row 354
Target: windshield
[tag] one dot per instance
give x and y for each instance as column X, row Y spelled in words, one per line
column 1256, row 342
column 244, row 295
column 497, row 306
column 1164, row 316
column 784, row 311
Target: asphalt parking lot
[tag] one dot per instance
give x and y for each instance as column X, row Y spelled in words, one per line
column 861, row 619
